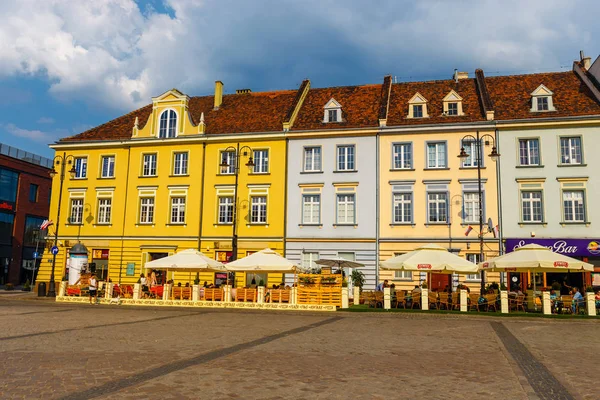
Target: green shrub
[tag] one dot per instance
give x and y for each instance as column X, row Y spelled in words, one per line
column 27, row 286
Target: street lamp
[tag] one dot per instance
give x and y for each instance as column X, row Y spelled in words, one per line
column 62, row 162
column 245, row 152
column 478, row 157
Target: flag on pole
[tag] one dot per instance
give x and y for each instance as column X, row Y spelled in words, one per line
column 469, row 229
column 46, row 224
column 496, row 231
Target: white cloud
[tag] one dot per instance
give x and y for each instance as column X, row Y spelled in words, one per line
column 111, row 54
column 32, row 134
column 45, row 120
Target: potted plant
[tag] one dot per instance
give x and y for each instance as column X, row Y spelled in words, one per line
column 589, row 289
column 358, row 279
column 26, row 286
column 197, row 280
column 261, row 283
column 556, row 287
column 344, row 283
column 503, row 287
column 424, row 285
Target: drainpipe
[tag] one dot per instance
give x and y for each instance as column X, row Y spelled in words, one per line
column 125, row 214
column 499, row 195
column 202, row 196
column 285, row 195
column 377, row 217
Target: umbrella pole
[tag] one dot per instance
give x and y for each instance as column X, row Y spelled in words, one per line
column 534, row 291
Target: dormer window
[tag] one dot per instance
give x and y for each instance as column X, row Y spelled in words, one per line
column 168, row 124
column 453, row 105
column 417, row 107
column 333, row 111
column 541, row 100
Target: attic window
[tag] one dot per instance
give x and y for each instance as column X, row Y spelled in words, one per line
column 541, row 100
column 453, row 105
column 417, row 107
column 333, row 111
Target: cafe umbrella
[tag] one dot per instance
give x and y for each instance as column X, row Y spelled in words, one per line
column 534, row 258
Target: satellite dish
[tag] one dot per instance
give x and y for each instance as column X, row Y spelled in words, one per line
column 490, row 225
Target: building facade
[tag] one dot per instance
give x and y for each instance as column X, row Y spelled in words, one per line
column 359, row 172
column 548, row 180
column 332, row 185
column 25, row 190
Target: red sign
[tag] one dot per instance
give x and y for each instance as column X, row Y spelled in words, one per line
column 424, row 266
column 6, row 206
column 486, row 265
column 561, row 264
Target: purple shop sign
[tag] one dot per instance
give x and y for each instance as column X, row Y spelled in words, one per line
column 568, row 247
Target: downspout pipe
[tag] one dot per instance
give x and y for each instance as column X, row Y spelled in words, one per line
column 377, row 195
column 202, row 196
column 125, row 214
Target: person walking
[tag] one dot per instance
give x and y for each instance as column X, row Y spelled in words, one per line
column 93, row 289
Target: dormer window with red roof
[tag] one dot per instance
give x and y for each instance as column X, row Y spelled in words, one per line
column 417, row 107
column 541, row 100
column 333, row 111
column 453, row 105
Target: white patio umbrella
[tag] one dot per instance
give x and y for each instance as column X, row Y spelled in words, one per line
column 430, row 258
column 266, row 260
column 534, row 258
column 188, row 261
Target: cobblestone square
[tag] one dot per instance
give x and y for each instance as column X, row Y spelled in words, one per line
column 55, row 351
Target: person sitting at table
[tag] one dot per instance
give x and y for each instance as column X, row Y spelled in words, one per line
column 187, row 284
column 205, row 284
column 382, row 285
column 553, row 302
column 597, row 298
column 577, row 299
column 178, row 284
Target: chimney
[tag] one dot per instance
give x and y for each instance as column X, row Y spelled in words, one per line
column 586, row 62
column 243, row 91
column 458, row 75
column 218, row 94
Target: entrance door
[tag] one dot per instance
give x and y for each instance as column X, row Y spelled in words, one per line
column 439, row 281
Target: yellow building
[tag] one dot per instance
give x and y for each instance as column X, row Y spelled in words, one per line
column 427, row 193
column 148, row 184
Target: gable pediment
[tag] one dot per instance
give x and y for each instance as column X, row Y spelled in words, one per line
column 542, row 91
column 418, row 98
column 172, row 94
column 452, row 96
column 332, row 103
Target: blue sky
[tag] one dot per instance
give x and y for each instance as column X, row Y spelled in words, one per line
column 67, row 65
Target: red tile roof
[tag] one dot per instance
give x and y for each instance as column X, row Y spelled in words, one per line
column 434, row 92
column 512, row 95
column 360, row 107
column 239, row 113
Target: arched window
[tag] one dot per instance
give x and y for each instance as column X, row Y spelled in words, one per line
column 168, row 124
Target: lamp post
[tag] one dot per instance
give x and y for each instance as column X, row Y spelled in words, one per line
column 478, row 157
column 245, row 152
column 61, row 162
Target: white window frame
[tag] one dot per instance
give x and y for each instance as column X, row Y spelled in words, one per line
column 81, row 170
column 258, row 209
column 308, row 260
column 180, row 163
column 403, row 203
column 147, row 210
column 261, row 161
column 471, row 207
column 471, row 149
column 402, row 154
column 76, row 216
column 474, row 258
column 313, row 217
column 452, row 108
column 571, row 149
column 530, row 202
column 437, row 162
column 333, row 112
column 572, row 206
column 178, row 209
column 529, row 152
column 108, row 172
column 169, row 130
column 229, row 156
column 314, row 155
column 345, row 203
column 104, row 211
column 437, row 202
column 223, row 212
column 346, row 157
column 149, row 164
